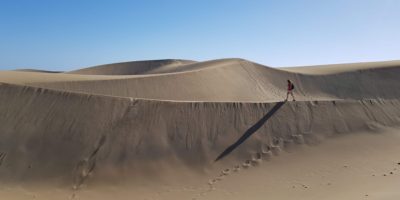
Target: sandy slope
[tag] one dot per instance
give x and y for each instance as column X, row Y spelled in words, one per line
column 153, row 129
column 223, row 80
column 356, row 166
column 136, row 67
column 341, row 68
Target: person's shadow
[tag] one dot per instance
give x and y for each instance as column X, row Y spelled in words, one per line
column 250, row 131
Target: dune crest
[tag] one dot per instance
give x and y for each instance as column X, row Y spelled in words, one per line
column 226, row 80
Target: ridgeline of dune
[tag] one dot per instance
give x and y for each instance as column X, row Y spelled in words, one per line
column 228, row 80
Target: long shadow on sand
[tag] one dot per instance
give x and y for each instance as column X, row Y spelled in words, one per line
column 250, row 131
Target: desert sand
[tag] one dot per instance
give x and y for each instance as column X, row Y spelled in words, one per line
column 153, row 130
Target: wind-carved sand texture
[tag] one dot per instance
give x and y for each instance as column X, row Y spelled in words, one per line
column 179, row 129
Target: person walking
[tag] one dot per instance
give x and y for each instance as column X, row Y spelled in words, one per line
column 290, row 88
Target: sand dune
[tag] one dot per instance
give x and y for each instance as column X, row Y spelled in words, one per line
column 225, row 80
column 135, row 68
column 154, row 128
column 341, row 68
column 37, row 70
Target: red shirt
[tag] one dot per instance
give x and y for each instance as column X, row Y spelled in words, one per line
column 290, row 86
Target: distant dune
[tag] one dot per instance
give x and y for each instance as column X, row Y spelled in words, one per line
column 152, row 129
column 136, row 67
column 37, row 70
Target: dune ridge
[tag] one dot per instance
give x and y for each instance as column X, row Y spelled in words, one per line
column 240, row 80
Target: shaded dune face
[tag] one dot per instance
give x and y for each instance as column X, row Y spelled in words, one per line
column 135, row 68
column 82, row 126
column 68, row 135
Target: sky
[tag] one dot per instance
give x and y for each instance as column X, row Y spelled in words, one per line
column 71, row 34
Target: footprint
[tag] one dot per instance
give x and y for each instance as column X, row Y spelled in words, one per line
column 257, row 156
column 265, row 148
column 212, row 181
column 246, row 164
column 256, row 159
column 86, row 166
column 226, row 172
column 276, row 150
column 266, row 152
column 236, row 168
column 278, row 142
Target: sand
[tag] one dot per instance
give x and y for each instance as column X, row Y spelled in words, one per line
column 153, row 129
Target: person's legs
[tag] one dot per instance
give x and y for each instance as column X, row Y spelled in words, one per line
column 291, row 92
column 287, row 95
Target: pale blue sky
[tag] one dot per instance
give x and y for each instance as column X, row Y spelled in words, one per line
column 69, row 34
